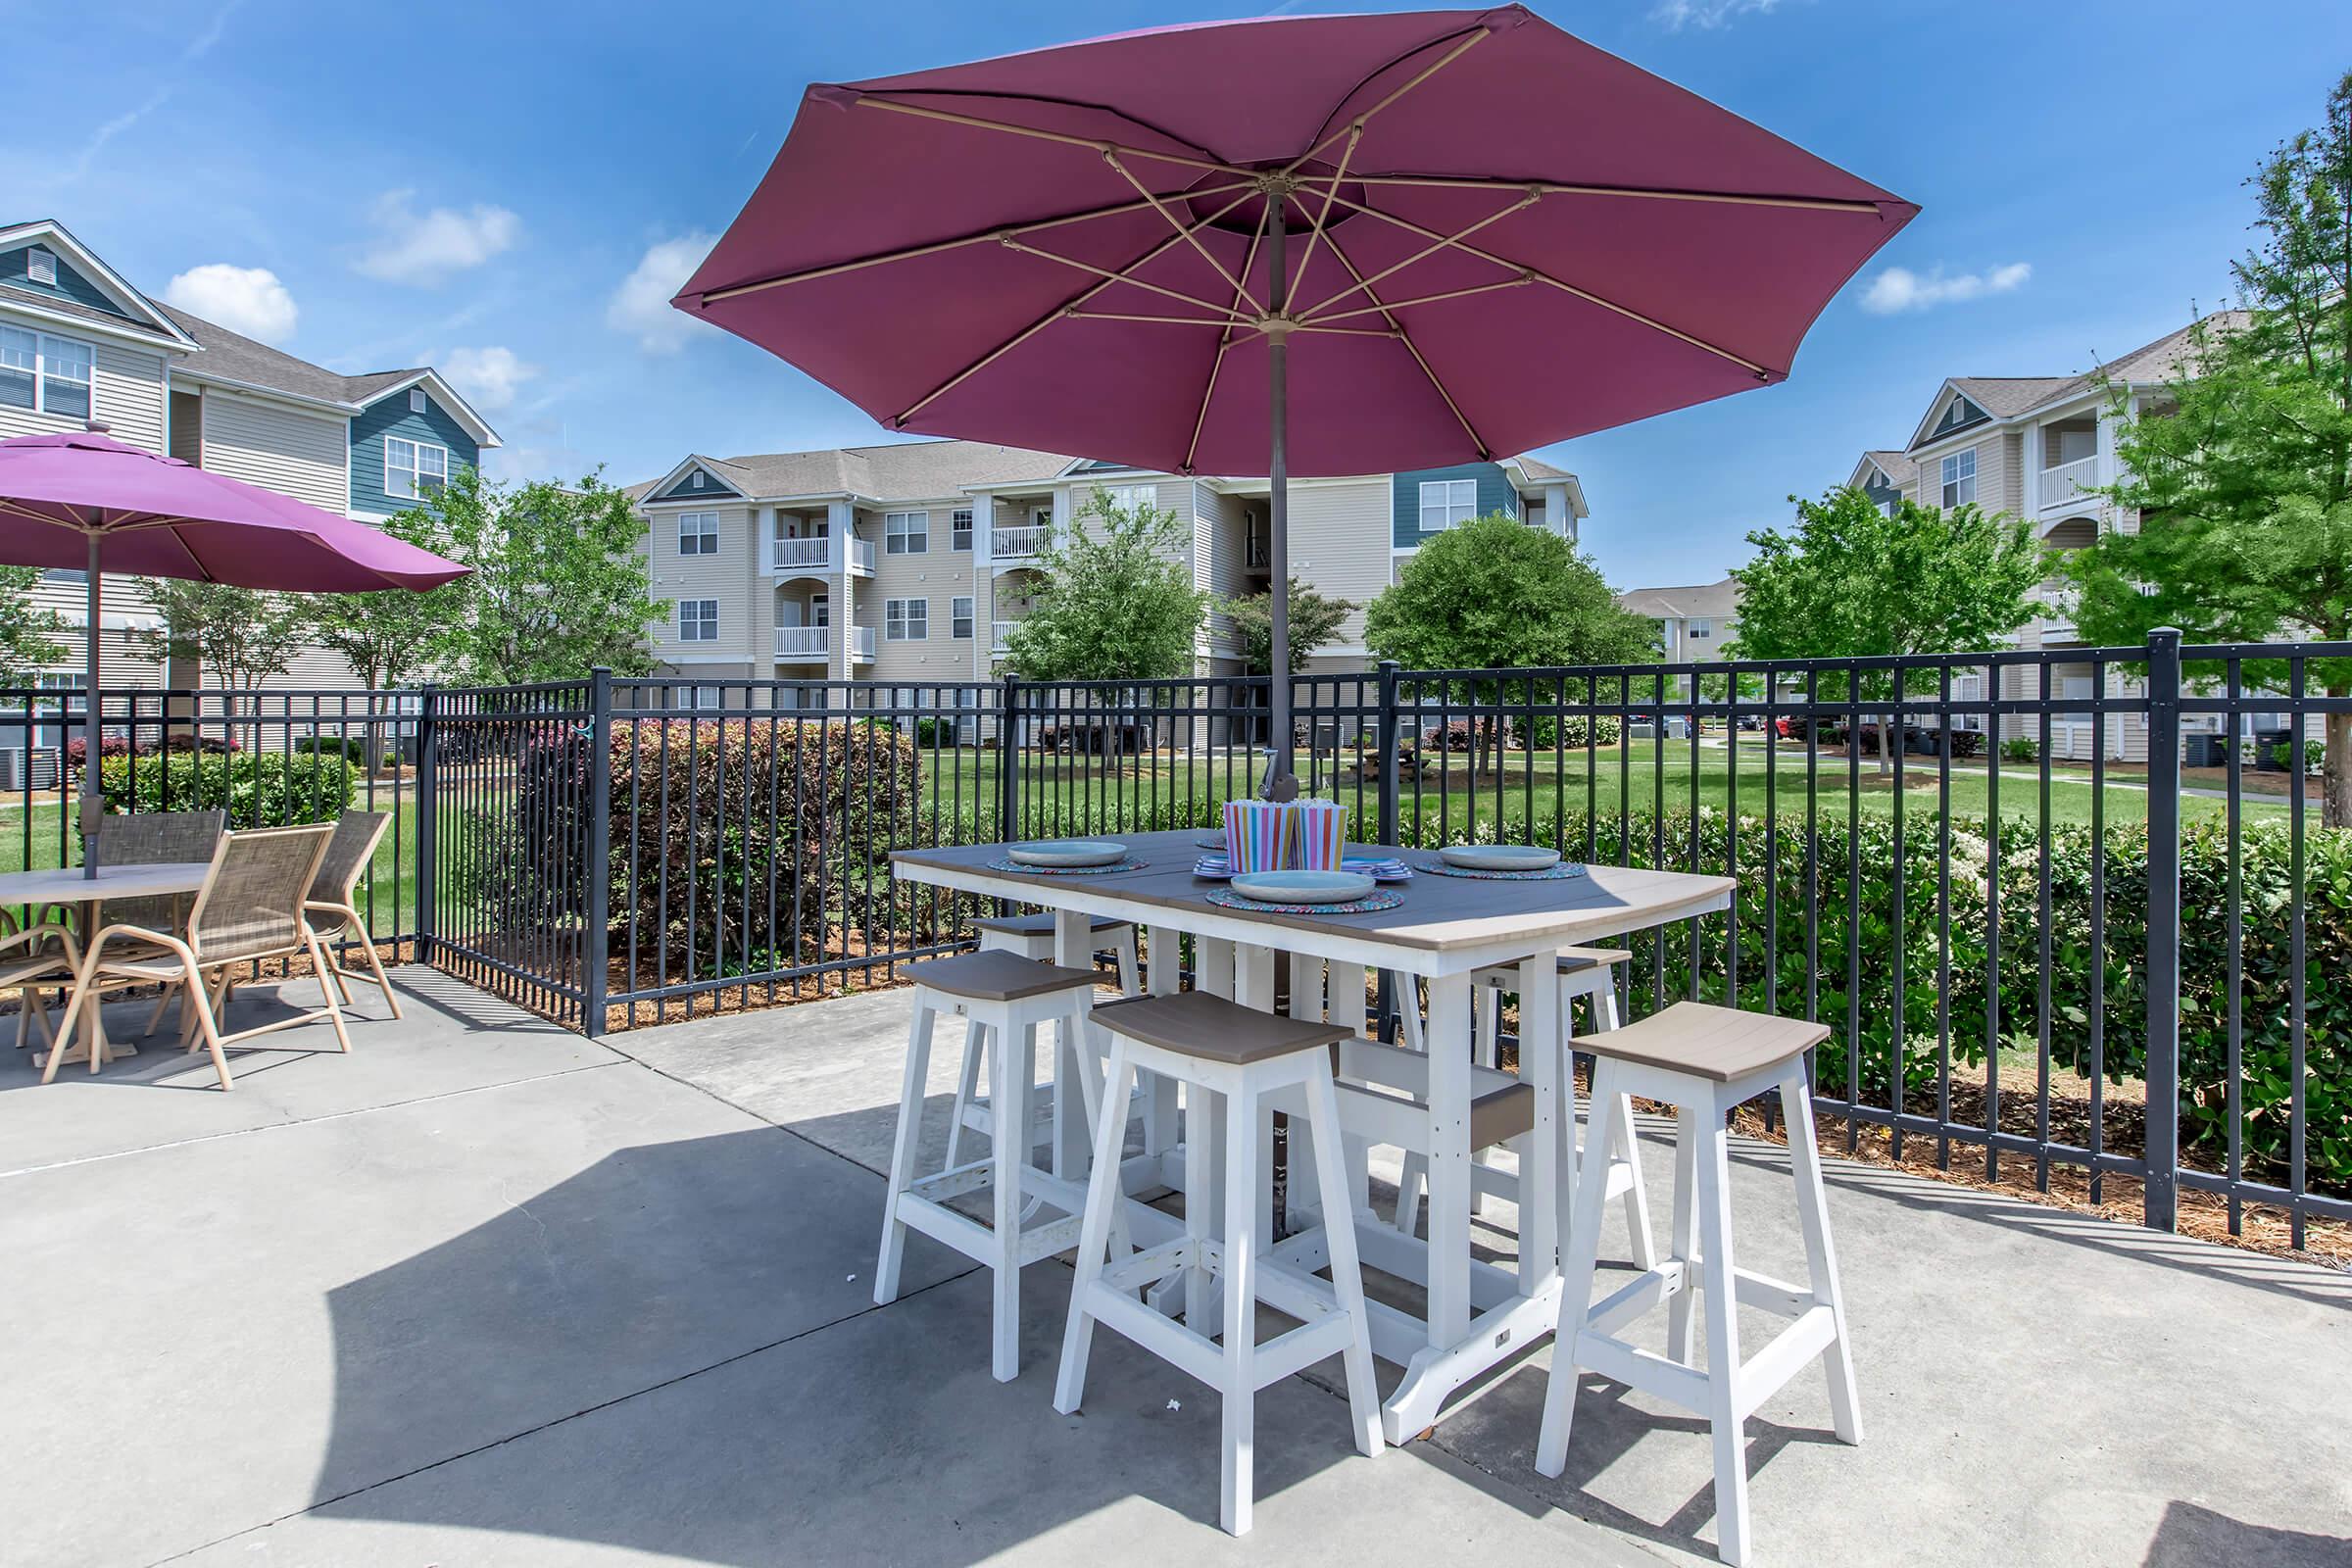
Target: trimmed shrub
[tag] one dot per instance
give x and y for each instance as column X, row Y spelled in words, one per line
column 351, row 746
column 257, row 790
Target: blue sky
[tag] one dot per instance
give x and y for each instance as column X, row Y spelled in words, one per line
column 509, row 190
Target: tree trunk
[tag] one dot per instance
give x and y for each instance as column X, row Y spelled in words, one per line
column 2335, row 789
column 1888, row 740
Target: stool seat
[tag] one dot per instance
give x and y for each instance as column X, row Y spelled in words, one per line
column 996, row 976
column 1574, row 960
column 1042, row 925
column 1210, row 1028
column 1717, row 1043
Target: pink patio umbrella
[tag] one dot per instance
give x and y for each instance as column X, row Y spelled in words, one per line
column 82, row 500
column 1478, row 233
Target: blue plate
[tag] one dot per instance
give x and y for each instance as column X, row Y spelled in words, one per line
column 1302, row 887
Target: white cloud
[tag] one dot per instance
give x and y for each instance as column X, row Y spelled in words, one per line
column 1900, row 289
column 488, row 376
column 244, row 299
column 1676, row 14
column 422, row 249
column 641, row 305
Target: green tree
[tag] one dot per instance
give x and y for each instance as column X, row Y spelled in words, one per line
column 2243, row 484
column 1496, row 594
column 28, row 631
column 1314, row 622
column 239, row 637
column 1117, row 601
column 1851, row 581
column 558, row 583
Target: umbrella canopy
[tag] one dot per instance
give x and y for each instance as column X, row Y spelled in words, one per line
column 87, row 502
column 1311, row 245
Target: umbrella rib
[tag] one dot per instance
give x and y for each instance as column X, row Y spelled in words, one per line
column 1191, row 236
column 1314, row 232
column 1520, row 281
column 1526, row 200
column 1172, row 321
column 1208, row 389
column 1406, row 338
column 1048, row 318
column 934, row 248
column 1125, row 277
column 1823, row 204
column 1356, row 125
column 1538, row 275
column 1089, row 143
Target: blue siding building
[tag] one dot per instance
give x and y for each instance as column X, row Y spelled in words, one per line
column 414, row 435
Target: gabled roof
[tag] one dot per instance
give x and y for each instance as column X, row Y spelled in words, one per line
column 232, row 357
column 1896, row 466
column 1713, row 600
column 144, row 317
column 2167, row 359
column 897, row 470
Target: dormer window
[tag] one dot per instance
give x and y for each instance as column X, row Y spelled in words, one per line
column 415, row 399
column 699, row 479
column 40, row 265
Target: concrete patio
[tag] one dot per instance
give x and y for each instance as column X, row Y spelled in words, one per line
column 486, row 1293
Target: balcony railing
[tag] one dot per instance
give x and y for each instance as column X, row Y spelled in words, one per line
column 817, row 642
column 1018, row 543
column 1253, row 550
column 2065, row 484
column 820, row 555
column 1000, row 630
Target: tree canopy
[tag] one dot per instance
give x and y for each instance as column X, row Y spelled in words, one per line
column 390, row 638
column 1494, row 593
column 239, row 637
column 2242, row 472
column 1117, row 601
column 28, row 631
column 1314, row 622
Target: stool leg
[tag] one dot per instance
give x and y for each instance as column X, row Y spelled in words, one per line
column 967, row 1086
column 1347, row 1277
column 1637, row 1197
column 902, row 1149
column 1010, row 1074
column 1684, row 1242
column 1575, row 1288
column 1201, row 1148
column 1723, row 1338
column 1131, row 983
column 1103, row 1198
column 1243, row 1177
column 1821, row 1257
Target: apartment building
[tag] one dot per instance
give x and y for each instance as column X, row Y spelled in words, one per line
column 909, row 561
column 1693, row 623
column 2041, row 448
column 81, row 344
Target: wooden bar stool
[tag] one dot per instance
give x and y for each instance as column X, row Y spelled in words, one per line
column 1241, row 1055
column 1705, row 1061
column 1031, row 936
column 1007, row 996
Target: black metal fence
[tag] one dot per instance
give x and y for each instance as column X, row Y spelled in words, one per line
column 2037, row 951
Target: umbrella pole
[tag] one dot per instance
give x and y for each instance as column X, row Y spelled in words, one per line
column 89, row 724
column 1280, row 785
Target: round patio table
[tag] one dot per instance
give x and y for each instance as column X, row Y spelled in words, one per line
column 68, row 885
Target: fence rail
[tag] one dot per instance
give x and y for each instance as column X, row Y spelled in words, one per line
column 2068, row 911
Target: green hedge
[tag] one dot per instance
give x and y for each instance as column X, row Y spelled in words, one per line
column 257, row 790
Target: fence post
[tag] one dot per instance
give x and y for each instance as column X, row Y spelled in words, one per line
column 2161, row 1195
column 428, row 838
column 1008, row 756
column 1384, row 1000
column 597, row 860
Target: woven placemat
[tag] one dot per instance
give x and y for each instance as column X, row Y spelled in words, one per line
column 1066, row 870
column 1226, row 898
column 1550, row 873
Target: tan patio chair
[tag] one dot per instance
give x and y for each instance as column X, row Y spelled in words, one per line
column 332, row 907
column 40, row 957
column 250, row 907
column 156, row 838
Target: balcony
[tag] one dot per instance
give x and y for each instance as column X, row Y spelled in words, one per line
column 822, row 555
column 999, row 631
column 2065, row 484
column 815, row 644
column 1018, row 543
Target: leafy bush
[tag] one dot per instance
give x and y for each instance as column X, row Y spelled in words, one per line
column 2315, row 755
column 346, row 746
column 2021, row 749
column 1571, row 730
column 257, row 790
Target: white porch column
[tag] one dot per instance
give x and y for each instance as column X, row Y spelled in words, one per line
column 841, row 527
column 1065, row 508
column 1556, row 513
column 2029, row 459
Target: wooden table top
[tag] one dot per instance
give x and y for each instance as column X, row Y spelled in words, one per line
column 1440, row 913
column 68, row 886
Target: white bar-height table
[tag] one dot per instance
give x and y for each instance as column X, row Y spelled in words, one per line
column 1445, row 929
column 68, row 885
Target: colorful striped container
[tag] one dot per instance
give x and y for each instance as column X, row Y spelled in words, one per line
column 1254, row 836
column 1314, row 833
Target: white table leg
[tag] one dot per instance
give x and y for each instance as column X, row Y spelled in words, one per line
column 1540, row 1066
column 1073, row 947
column 1344, row 1005
column 1449, row 1160
column 1253, row 988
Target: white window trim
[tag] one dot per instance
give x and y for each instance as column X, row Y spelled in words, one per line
column 41, row 376
column 416, row 469
column 691, row 616
column 700, row 535
column 37, row 255
column 894, row 613
column 909, row 529
column 960, row 528
column 962, row 615
column 1448, row 503
column 1951, row 477
column 1128, row 498
column 416, row 403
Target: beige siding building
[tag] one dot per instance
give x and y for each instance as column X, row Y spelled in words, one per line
column 908, row 562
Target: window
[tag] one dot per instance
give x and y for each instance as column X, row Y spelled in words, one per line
column 40, row 265
column 698, row 534
column 708, row 697
column 699, row 479
column 415, row 399
column 413, row 469
column 959, row 535
column 1131, row 497
column 1960, row 478
column 905, row 621
column 1447, row 502
column 1700, row 628
column 905, row 533
column 51, row 375
column 959, row 612
column 698, row 621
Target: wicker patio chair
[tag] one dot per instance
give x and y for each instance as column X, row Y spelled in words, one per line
column 332, row 909
column 37, row 959
column 250, row 907
column 156, row 838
